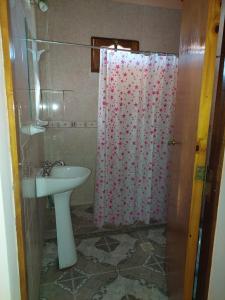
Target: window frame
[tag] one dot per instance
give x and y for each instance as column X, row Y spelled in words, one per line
column 106, row 42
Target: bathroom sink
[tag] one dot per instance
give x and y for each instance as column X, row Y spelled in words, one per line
column 60, row 184
column 61, row 179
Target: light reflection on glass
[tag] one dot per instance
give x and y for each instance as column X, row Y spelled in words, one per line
column 194, row 48
column 43, row 106
column 55, row 106
column 11, row 52
column 224, row 69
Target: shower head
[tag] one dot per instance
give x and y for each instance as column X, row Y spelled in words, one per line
column 43, row 5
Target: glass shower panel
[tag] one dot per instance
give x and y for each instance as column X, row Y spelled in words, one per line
column 69, row 98
column 30, row 148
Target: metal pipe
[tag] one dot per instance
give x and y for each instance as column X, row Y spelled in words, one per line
column 95, row 47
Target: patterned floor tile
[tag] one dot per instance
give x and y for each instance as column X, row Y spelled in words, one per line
column 54, row 292
column 53, row 273
column 155, row 233
column 157, row 236
column 112, row 265
column 138, row 255
column 92, row 266
column 156, row 263
column 123, row 248
column 107, row 244
column 78, row 279
column 94, row 285
column 150, row 277
column 126, row 288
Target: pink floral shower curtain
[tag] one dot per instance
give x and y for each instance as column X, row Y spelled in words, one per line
column 136, row 104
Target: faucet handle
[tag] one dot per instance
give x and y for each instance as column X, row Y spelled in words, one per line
column 46, row 163
column 61, row 162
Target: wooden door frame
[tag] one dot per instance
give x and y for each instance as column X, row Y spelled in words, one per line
column 214, row 172
column 206, row 101
column 197, row 47
column 14, row 148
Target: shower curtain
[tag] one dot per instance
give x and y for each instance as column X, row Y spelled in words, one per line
column 135, row 109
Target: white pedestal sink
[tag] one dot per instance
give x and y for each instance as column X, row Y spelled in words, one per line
column 60, row 183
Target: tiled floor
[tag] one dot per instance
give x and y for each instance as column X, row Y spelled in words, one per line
column 83, row 223
column 119, row 266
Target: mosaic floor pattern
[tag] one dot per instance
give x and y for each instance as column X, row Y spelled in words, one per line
column 110, row 266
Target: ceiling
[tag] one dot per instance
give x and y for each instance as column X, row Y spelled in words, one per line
column 175, row 4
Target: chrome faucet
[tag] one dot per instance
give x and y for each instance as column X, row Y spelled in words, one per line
column 47, row 166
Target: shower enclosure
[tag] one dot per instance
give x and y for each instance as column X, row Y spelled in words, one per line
column 130, row 131
column 116, row 123
column 136, row 104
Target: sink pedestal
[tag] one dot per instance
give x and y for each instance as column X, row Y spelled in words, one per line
column 65, row 239
column 60, row 183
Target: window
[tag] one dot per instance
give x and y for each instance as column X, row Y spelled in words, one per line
column 112, row 43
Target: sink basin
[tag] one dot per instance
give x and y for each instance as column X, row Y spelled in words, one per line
column 61, row 179
column 60, row 184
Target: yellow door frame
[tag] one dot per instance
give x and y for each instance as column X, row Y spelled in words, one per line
column 4, row 26
column 206, row 101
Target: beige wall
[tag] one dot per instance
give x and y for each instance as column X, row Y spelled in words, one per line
column 31, row 147
column 216, row 286
column 65, row 70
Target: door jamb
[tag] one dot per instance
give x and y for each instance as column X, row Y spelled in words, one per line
column 5, row 29
column 214, row 174
column 202, row 139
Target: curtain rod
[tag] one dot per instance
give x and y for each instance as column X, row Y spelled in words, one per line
column 95, row 47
